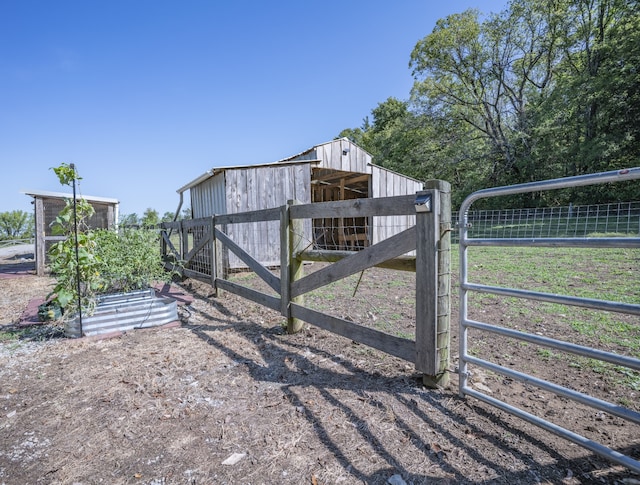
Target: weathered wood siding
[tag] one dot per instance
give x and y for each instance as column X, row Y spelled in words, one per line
column 46, row 211
column 339, row 154
column 233, row 190
column 385, row 183
column 244, row 189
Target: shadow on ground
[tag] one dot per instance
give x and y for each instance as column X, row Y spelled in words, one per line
column 456, row 441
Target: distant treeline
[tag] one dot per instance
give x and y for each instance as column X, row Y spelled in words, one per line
column 151, row 217
column 16, row 225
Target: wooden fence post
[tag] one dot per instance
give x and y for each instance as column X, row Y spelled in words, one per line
column 214, row 257
column 41, row 243
column 433, row 282
column 291, row 267
column 163, row 243
column 443, row 327
column 184, row 241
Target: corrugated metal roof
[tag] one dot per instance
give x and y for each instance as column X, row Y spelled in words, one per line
column 62, row 195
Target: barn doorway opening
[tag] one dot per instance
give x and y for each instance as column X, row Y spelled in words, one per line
column 340, row 233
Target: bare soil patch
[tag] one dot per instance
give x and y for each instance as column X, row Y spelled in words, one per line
column 230, row 398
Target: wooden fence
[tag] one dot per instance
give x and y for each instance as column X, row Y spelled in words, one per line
column 200, row 246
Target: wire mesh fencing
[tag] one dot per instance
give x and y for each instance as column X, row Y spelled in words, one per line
column 616, row 219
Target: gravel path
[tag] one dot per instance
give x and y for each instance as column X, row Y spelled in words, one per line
column 11, row 252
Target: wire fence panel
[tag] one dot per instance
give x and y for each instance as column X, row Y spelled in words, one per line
column 616, row 219
column 201, row 262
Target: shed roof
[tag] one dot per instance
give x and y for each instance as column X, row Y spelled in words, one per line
column 62, row 195
column 216, row 170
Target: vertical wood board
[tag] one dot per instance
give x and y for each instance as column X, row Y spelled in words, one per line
column 253, row 188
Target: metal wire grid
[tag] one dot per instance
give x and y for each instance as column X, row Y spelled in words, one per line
column 622, row 218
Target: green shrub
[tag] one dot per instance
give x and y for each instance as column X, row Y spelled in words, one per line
column 128, row 260
column 102, row 261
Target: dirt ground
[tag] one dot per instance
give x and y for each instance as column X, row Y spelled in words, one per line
column 229, row 398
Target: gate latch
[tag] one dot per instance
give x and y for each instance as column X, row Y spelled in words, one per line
column 423, row 202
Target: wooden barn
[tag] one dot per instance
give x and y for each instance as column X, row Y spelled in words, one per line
column 336, row 170
column 47, row 205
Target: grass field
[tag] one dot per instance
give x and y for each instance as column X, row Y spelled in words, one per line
column 604, row 274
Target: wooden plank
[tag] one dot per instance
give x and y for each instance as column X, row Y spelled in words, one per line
column 253, row 244
column 384, row 206
column 427, row 235
column 55, row 238
column 330, row 176
column 390, row 344
column 401, row 263
column 272, row 214
column 191, row 223
column 270, row 230
column 40, row 247
column 285, row 259
column 349, row 177
column 250, row 294
column 213, row 255
column 387, row 249
column 167, row 240
column 296, row 267
column 272, row 280
column 291, row 268
column 184, row 240
column 170, row 225
column 359, row 178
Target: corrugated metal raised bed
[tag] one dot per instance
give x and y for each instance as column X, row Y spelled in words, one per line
column 124, row 311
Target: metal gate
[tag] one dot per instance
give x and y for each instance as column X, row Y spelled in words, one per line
column 465, row 323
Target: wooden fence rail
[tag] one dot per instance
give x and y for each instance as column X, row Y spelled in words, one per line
column 201, row 245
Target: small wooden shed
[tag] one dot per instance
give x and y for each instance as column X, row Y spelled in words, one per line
column 47, row 205
column 335, row 170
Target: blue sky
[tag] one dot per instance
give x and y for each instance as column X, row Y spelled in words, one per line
column 146, row 95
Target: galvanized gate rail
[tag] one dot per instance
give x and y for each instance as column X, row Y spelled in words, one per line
column 466, row 323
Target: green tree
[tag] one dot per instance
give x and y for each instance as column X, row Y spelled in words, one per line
column 168, row 216
column 129, row 220
column 150, row 218
column 16, row 225
column 592, row 120
column 491, row 76
column 540, row 90
column 356, row 135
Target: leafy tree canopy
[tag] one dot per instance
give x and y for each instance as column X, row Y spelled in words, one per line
column 150, row 218
column 540, row 90
column 16, row 225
